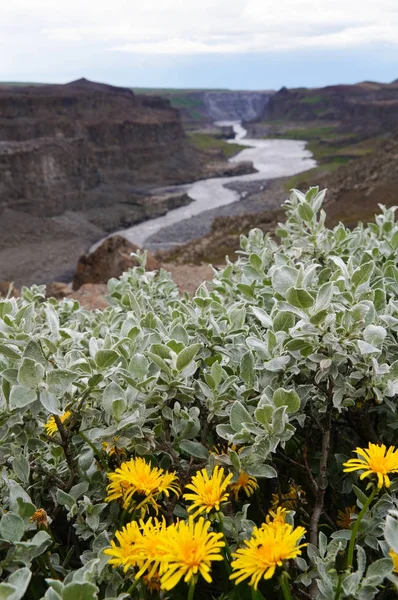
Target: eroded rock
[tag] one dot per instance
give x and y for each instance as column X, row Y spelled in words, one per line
column 110, row 259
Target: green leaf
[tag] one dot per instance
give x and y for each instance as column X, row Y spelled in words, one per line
column 12, row 527
column 186, row 356
column 30, row 373
column 106, row 358
column 59, row 381
column 379, row 570
column 362, row 274
column 8, row 352
column 239, row 415
column 247, row 369
column 21, row 467
column 50, row 402
column 21, row 396
column 194, row 449
column 324, row 296
column 299, row 297
column 391, row 531
column 16, row 585
column 288, row 398
column 283, row 321
column 33, row 350
column 305, row 212
column 284, row 278
column 262, row 316
column 138, row 366
column 375, row 335
column 260, row 470
column 80, row 591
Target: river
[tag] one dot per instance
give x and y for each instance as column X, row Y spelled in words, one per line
column 271, row 158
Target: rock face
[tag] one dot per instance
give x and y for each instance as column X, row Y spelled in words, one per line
column 369, row 107
column 242, row 106
column 110, row 259
column 80, row 145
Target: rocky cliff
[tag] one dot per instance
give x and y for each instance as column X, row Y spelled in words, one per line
column 368, row 107
column 231, row 105
column 84, row 144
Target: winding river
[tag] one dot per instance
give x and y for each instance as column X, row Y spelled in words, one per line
column 271, row 158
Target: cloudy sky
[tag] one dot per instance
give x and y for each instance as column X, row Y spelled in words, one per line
column 238, row 44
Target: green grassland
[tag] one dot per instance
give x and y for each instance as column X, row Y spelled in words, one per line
column 207, row 142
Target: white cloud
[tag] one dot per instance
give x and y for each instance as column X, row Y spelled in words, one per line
column 45, row 31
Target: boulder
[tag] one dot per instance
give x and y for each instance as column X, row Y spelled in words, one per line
column 92, row 296
column 110, row 259
column 58, row 290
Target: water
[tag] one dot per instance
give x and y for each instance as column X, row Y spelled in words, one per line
column 271, row 158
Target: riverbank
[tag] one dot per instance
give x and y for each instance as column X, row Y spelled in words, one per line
column 36, row 250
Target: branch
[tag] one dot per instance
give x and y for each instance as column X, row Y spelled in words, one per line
column 321, row 486
column 65, row 436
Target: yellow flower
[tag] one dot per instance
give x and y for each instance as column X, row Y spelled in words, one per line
column 276, row 519
column 208, row 492
column 344, row 518
column 245, row 482
column 290, row 500
column 51, row 427
column 137, row 477
column 374, row 460
column 268, row 547
column 394, row 558
column 125, row 554
column 40, row 517
column 139, row 546
column 190, row 549
column 225, row 448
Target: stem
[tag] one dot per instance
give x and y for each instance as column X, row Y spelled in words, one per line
column 284, row 583
column 191, row 590
column 256, row 594
column 339, row 586
column 95, row 450
column 132, row 587
column 350, row 556
column 321, row 485
column 228, row 555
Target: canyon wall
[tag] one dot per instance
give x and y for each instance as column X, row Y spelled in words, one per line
column 368, row 107
column 231, row 105
column 83, row 144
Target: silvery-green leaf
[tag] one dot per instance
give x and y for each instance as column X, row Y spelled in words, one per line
column 284, row 278
column 239, row 415
column 186, row 356
column 299, row 297
column 194, row 449
column 12, row 527
column 21, row 396
column 288, row 398
column 30, row 373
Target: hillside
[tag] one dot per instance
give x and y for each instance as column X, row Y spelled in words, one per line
column 354, row 192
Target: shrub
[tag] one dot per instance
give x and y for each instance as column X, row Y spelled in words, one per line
column 218, row 427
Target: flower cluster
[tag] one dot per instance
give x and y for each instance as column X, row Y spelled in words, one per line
column 182, row 550
column 139, row 485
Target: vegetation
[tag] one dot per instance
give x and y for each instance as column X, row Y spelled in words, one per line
column 237, row 444
column 211, row 143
